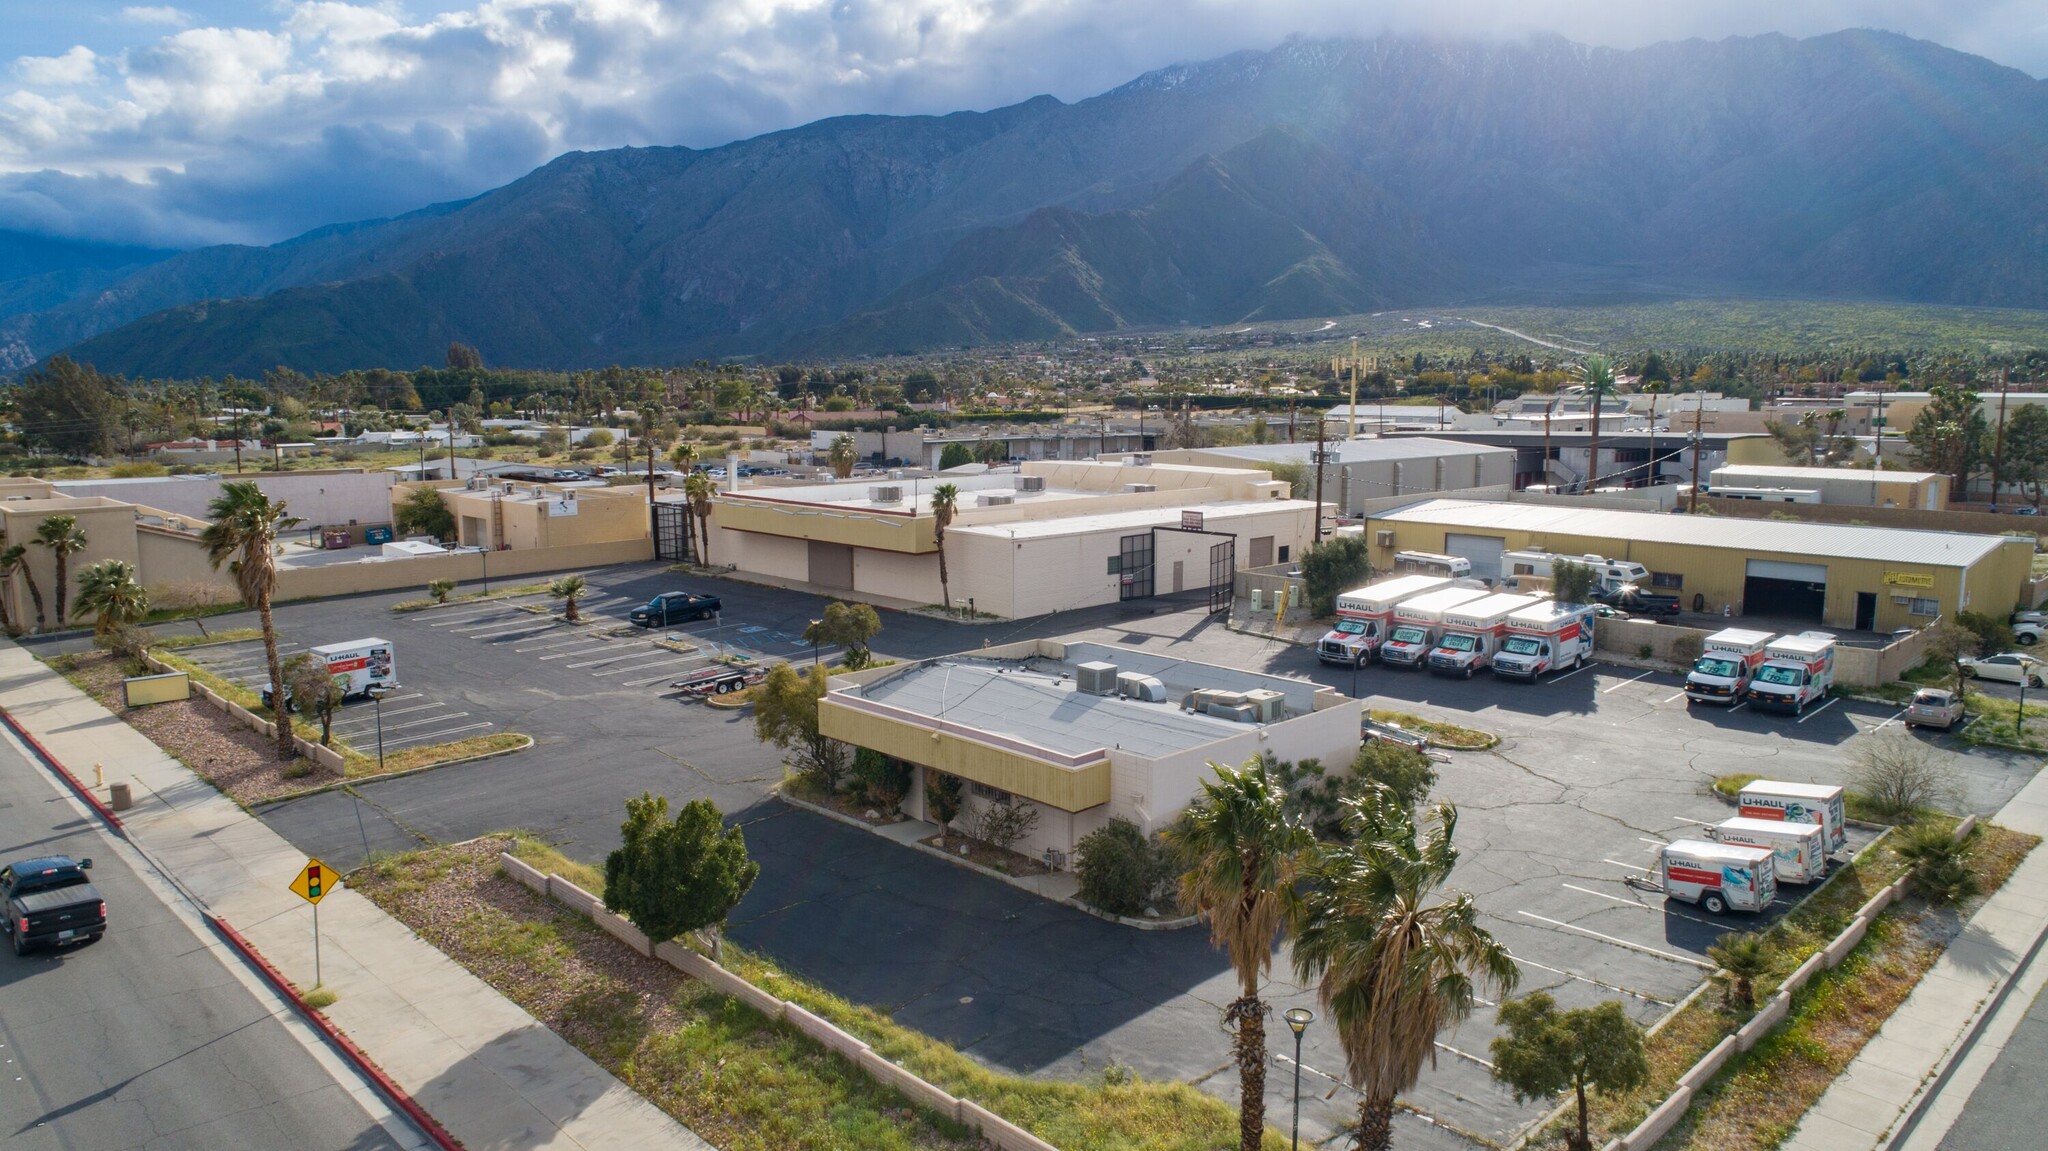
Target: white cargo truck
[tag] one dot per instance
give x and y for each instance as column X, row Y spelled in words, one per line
column 1545, row 637
column 1797, row 670
column 1718, row 876
column 1539, row 567
column 1472, row 633
column 1363, row 615
column 1801, row 848
column 1728, row 661
column 1432, row 563
column 1418, row 622
column 357, row 667
column 1798, row 803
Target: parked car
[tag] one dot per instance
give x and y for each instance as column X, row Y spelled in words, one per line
column 2027, row 632
column 1639, row 603
column 718, row 681
column 605, row 471
column 2026, row 510
column 50, row 901
column 1609, row 611
column 1373, row 731
column 2007, row 667
column 675, row 607
column 1934, row 707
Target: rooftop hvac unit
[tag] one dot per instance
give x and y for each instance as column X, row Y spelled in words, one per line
column 886, row 494
column 1031, row 483
column 994, row 499
column 1141, row 460
column 1143, row 688
column 1267, row 703
column 1235, row 712
column 1096, row 678
column 1141, row 487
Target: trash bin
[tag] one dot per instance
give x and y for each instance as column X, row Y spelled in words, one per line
column 122, row 798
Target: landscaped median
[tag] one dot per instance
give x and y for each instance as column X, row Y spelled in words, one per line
column 749, row 1057
column 474, row 597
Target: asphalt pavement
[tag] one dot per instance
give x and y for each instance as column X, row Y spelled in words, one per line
column 2008, row 1111
column 147, row 1038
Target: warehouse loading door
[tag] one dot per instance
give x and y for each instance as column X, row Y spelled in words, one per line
column 1785, row 590
column 1483, row 551
column 832, row 565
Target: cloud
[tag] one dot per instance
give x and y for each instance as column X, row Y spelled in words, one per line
column 198, row 130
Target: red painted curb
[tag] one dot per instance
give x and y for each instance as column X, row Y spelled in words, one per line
column 78, row 785
column 391, row 1091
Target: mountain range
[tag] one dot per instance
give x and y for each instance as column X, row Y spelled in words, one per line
column 1323, row 177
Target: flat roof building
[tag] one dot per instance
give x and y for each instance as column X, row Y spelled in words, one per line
column 1368, row 469
column 1856, row 487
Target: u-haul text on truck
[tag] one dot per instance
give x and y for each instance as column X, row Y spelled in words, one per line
column 356, row 666
column 1718, row 876
column 1364, row 614
column 1801, row 848
column 1798, row 803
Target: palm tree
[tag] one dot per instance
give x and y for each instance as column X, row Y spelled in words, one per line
column 12, row 560
column 945, row 501
column 842, row 456
column 1597, row 373
column 698, row 489
column 61, row 535
column 683, row 455
column 1743, row 958
column 1241, row 847
column 243, row 537
column 1392, row 969
column 109, row 588
column 569, row 589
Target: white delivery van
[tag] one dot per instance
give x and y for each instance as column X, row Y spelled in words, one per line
column 1728, row 661
column 1797, row 670
column 1472, row 633
column 1797, row 803
column 1432, row 563
column 1801, row 848
column 357, row 666
column 1545, row 637
column 1718, row 876
column 1363, row 615
column 1418, row 622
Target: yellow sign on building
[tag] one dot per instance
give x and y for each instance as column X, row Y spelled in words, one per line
column 1908, row 579
column 312, row 881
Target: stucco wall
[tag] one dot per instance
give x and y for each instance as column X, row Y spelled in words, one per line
column 327, row 497
column 463, row 567
column 109, row 529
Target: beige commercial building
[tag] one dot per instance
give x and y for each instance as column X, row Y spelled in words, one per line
column 505, row 515
column 1357, row 471
column 1855, row 487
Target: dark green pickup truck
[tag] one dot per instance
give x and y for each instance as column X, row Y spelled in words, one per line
column 50, row 902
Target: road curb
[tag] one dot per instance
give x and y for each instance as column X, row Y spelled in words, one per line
column 76, row 784
column 394, row 1094
column 338, row 785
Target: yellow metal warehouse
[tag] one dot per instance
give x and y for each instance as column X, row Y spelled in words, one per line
column 1836, row 575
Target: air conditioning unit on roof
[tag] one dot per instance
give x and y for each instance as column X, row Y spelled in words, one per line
column 1029, row 484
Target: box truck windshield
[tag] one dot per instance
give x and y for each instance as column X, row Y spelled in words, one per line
column 1715, row 665
column 1409, row 635
column 1350, row 627
column 1782, row 676
column 1522, row 645
column 1459, row 643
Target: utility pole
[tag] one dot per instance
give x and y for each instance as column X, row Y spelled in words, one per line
column 1998, row 444
column 1698, row 415
column 1353, row 432
column 1320, row 459
column 649, row 441
column 1877, row 441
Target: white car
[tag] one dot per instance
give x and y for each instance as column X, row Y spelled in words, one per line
column 2009, row 667
column 2026, row 632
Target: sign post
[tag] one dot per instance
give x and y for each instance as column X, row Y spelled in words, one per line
column 311, row 884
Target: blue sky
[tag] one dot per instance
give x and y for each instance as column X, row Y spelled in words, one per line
column 206, row 121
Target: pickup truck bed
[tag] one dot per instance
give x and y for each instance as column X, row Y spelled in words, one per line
column 41, row 915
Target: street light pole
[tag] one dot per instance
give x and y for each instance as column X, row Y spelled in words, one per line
column 1298, row 1019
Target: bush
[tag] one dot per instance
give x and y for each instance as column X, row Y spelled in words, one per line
column 1901, row 777
column 669, row 877
column 597, row 439
column 882, row 780
column 1005, row 822
column 135, row 471
column 1941, row 865
column 1332, row 567
column 440, row 589
column 423, row 513
column 1121, row 870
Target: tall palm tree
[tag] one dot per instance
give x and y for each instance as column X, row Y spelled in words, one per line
column 698, row 489
column 12, row 560
column 61, row 535
column 1393, row 969
column 243, row 537
column 109, row 588
column 945, row 501
column 1241, row 847
column 1597, row 373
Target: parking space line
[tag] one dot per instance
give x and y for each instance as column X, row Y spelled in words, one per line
column 494, row 609
column 423, row 722
column 607, row 659
column 1626, row 682
column 607, row 643
column 1442, row 1046
column 1587, row 979
column 657, row 679
column 1818, row 710
column 1894, row 719
column 1601, row 894
column 515, row 635
column 1733, row 708
column 1665, row 910
column 388, row 713
column 1575, row 671
column 1674, row 698
column 582, row 642
column 633, row 667
column 1630, row 866
column 426, row 735
column 524, row 622
column 1672, row 956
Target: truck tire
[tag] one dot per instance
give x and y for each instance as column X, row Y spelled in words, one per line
column 20, row 946
column 1468, row 671
column 1714, row 903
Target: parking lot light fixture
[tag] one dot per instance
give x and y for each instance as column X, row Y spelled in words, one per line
column 1298, row 1019
column 813, row 630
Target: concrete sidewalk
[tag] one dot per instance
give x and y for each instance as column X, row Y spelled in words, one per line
column 1891, row 1078
column 488, row 1071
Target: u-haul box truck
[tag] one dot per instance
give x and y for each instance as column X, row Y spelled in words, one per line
column 1363, row 615
column 1472, row 633
column 1797, row 803
column 1718, row 876
column 1419, row 621
column 1728, row 661
column 1801, row 848
column 356, row 666
column 1797, row 670
column 1545, row 637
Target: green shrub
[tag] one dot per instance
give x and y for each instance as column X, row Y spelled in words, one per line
column 881, row 780
column 1121, row 870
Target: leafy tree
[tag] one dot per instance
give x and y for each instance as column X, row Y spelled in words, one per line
column 425, row 513
column 1241, row 851
column 599, row 438
column 842, row 455
column 1948, row 435
column 1332, row 567
column 1406, row 774
column 1392, row 969
column 1572, row 582
column 670, row 877
column 312, row 691
column 15, row 559
column 786, row 715
column 881, row 779
column 941, row 797
column 954, row 455
column 68, row 407
column 2024, row 462
column 1546, row 1051
column 569, row 589
column 1951, row 644
column 1121, row 870
column 849, row 626
column 1940, row 862
column 463, row 358
column 1743, row 957
column 1317, row 797
column 1798, row 440
column 243, row 536
column 61, row 535
column 989, row 450
column 109, row 588
column 1655, row 370
column 945, row 502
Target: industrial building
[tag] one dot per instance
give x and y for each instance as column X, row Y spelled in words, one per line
column 1369, row 469
column 1836, row 575
column 1854, row 487
column 924, row 447
column 1084, row 731
column 1627, row 459
column 1043, row 537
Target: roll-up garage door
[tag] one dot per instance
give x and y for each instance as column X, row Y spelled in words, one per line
column 1483, row 551
column 832, row 565
column 1784, row 590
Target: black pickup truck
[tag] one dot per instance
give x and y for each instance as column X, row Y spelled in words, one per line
column 1637, row 602
column 50, row 901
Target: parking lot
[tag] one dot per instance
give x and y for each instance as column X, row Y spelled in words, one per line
column 1595, row 768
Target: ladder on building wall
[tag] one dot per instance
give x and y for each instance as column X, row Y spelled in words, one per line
column 497, row 522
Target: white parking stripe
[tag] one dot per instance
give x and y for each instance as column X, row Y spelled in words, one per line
column 667, row 675
column 562, row 643
column 1626, row 682
column 523, row 621
column 1525, row 961
column 633, row 667
column 1601, row 894
column 1575, row 671
column 433, row 735
column 493, row 610
column 610, row 658
column 1818, row 710
column 516, row 633
column 1639, row 905
column 1894, row 719
column 436, row 720
column 1672, row 698
column 1660, row 954
column 371, row 721
column 1630, row 866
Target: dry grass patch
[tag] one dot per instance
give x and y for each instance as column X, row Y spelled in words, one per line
column 471, row 597
column 1440, row 734
column 363, row 764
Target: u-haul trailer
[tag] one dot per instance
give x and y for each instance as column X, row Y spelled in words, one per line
column 1718, row 876
column 1801, row 848
column 1798, row 803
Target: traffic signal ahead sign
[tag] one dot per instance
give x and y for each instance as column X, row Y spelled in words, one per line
column 312, row 881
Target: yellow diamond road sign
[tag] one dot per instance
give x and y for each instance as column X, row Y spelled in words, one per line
column 312, row 881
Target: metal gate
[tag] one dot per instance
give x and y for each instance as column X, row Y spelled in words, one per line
column 673, row 539
column 1222, row 575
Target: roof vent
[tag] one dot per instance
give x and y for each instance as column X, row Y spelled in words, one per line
column 994, row 499
column 1098, row 678
column 1144, row 688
